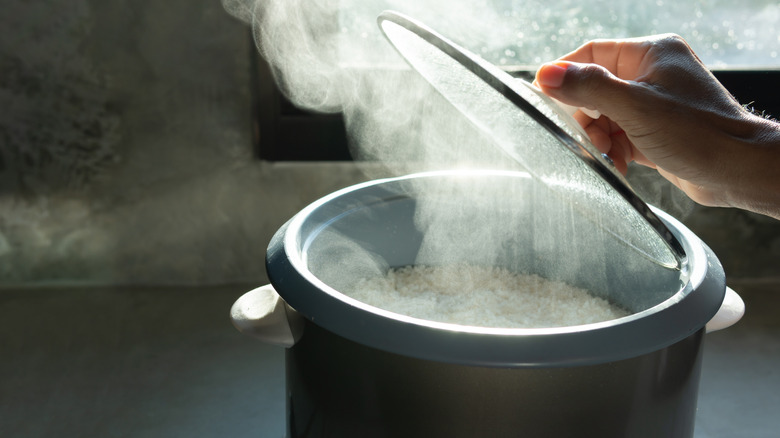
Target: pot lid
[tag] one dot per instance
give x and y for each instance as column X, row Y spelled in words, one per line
column 537, row 133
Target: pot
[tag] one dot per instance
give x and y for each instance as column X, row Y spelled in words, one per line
column 354, row 370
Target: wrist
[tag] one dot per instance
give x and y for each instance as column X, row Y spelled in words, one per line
column 756, row 170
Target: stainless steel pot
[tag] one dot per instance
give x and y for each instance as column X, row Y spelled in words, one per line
column 356, row 370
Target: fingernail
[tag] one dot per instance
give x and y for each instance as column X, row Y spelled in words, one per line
column 551, row 75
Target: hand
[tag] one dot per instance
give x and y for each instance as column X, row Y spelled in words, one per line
column 662, row 108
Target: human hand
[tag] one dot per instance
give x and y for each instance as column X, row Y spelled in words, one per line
column 662, row 108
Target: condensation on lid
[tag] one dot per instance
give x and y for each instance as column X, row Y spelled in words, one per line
column 537, row 133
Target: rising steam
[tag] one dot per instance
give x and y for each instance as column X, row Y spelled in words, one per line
column 328, row 60
column 330, row 56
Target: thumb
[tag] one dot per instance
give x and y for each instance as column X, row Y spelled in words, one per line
column 589, row 86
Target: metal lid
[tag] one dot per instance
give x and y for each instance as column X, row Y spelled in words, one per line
column 533, row 130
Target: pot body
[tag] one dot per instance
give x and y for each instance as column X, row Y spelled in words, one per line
column 337, row 388
column 358, row 371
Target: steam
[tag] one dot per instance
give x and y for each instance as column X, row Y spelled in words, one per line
column 330, row 56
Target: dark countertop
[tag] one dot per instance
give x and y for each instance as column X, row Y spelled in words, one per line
column 166, row 361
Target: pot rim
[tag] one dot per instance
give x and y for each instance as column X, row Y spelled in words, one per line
column 671, row 320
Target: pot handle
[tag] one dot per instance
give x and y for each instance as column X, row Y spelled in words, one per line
column 731, row 311
column 263, row 314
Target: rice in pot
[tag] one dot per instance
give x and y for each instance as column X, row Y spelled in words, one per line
column 483, row 296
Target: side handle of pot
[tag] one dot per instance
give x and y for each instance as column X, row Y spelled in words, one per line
column 263, row 314
column 731, row 311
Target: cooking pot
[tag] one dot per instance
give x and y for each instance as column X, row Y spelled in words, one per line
column 354, row 370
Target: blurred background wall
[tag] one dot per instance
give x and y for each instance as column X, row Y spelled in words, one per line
column 126, row 146
column 126, row 152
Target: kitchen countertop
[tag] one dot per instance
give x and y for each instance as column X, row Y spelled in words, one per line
column 166, row 362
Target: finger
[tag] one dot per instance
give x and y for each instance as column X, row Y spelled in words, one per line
column 622, row 57
column 696, row 192
column 619, row 159
column 592, row 86
column 639, row 157
column 600, row 139
column 583, row 119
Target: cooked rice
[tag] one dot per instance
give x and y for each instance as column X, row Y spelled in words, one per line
column 484, row 297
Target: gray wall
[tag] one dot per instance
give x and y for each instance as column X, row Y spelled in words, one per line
column 125, row 146
column 126, row 157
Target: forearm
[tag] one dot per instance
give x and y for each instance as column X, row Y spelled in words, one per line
column 756, row 171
